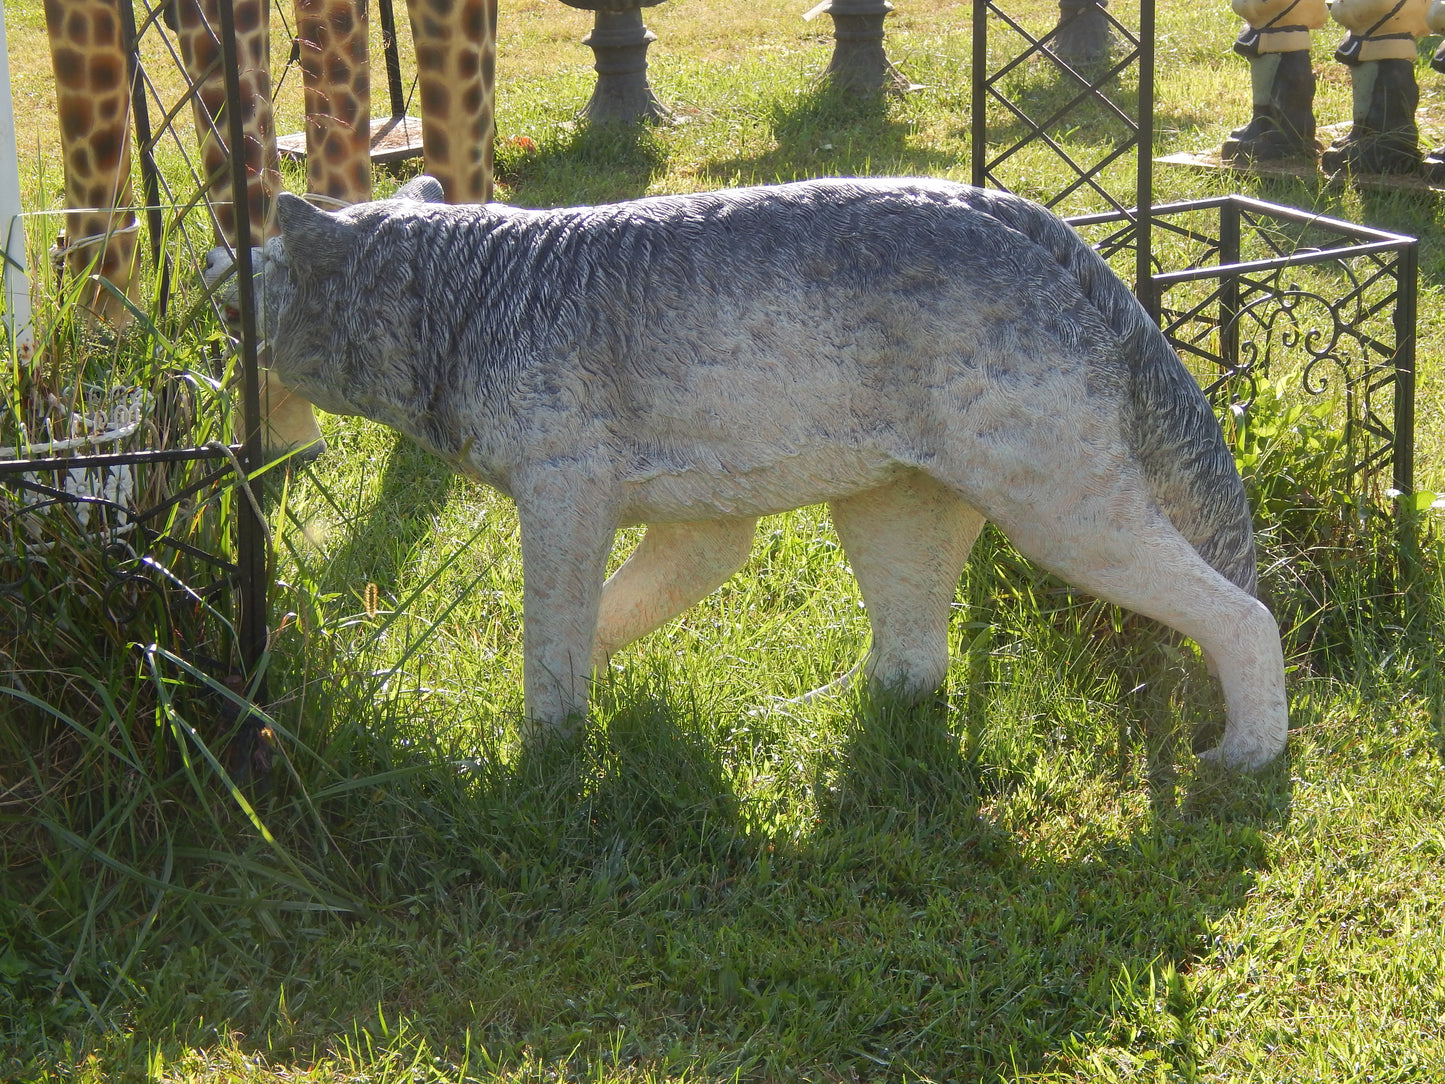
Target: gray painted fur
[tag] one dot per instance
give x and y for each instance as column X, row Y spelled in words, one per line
column 917, row 353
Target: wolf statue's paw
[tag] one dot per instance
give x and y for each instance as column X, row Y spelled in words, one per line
column 1240, row 757
column 543, row 734
column 309, row 453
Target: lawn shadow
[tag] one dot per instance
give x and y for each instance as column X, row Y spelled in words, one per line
column 1404, row 205
column 1174, row 711
column 412, row 492
column 610, row 898
column 1044, row 933
column 587, row 164
column 1049, row 99
column 664, row 780
column 1082, row 128
column 645, row 779
column 829, row 130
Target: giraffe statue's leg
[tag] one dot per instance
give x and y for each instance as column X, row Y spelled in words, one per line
column 456, row 57
column 335, row 69
column 288, row 423
column 198, row 27
column 92, row 90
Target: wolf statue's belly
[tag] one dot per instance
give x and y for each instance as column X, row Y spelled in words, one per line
column 707, row 483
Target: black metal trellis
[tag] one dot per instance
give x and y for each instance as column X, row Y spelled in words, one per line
column 1098, row 91
column 69, row 513
column 1242, row 287
column 1246, row 287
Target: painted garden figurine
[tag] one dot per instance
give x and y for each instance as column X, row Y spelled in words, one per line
column 1380, row 53
column 1379, row 50
column 1434, row 166
column 1276, row 42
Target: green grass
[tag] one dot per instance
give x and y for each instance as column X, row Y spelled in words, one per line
column 1030, row 878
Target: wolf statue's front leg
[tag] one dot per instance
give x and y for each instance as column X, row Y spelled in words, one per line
column 568, row 523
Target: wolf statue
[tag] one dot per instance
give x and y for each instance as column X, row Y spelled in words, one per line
column 918, row 354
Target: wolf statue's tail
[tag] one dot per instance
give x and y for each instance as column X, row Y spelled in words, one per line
column 1170, row 426
column 1190, row 468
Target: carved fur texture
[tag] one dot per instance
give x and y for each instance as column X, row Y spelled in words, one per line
column 918, row 354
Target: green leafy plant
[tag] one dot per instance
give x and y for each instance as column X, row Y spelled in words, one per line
column 1323, row 535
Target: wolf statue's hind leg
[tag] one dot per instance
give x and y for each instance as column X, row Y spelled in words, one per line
column 1118, row 546
column 674, row 566
column 907, row 542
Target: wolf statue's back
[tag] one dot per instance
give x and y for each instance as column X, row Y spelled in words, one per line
column 919, row 354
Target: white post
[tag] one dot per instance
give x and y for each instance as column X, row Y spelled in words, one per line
column 17, row 283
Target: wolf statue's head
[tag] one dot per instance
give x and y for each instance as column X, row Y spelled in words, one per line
column 316, row 295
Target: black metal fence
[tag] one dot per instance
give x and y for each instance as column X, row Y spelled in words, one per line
column 134, row 506
column 1246, row 290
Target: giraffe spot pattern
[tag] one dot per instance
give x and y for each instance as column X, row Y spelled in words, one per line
column 106, row 73
column 249, row 18
column 436, row 99
column 104, row 26
column 77, row 29
column 69, row 65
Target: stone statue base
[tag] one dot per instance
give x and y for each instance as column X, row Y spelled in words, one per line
column 619, row 41
column 859, row 62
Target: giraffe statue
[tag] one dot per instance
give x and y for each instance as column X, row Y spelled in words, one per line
column 92, row 92
column 456, row 56
column 336, row 74
column 456, row 59
column 288, row 421
column 197, row 26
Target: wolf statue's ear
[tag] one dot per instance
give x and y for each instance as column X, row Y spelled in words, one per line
column 422, row 189
column 317, row 243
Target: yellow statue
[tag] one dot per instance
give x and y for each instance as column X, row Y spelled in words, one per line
column 1276, row 42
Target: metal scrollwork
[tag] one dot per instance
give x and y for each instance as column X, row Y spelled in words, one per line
column 126, row 591
column 1328, row 305
column 1279, row 318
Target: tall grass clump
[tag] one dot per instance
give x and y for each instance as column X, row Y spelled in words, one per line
column 127, row 733
column 1323, row 535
